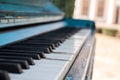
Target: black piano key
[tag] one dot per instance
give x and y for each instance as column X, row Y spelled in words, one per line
column 43, row 40
column 24, row 64
column 58, row 36
column 53, row 39
column 28, row 59
column 39, row 44
column 4, row 75
column 34, row 56
column 46, row 50
column 42, row 55
column 49, row 38
column 53, row 45
column 35, row 46
column 11, row 67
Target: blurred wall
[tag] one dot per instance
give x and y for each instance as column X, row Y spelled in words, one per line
column 102, row 11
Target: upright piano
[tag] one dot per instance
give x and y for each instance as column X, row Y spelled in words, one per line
column 37, row 42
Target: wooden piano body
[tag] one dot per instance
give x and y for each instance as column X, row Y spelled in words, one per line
column 71, row 42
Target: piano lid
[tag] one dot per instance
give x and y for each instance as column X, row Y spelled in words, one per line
column 35, row 6
column 19, row 12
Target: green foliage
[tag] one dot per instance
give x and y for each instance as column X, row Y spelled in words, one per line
column 118, row 34
column 66, row 6
column 98, row 30
column 110, row 32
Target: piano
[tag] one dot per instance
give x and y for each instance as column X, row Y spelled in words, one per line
column 37, row 42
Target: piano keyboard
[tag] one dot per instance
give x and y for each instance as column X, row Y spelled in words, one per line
column 47, row 56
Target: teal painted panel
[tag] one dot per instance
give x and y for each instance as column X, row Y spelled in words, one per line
column 12, row 36
column 80, row 23
column 26, row 2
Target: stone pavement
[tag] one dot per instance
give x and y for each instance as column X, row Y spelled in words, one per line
column 107, row 58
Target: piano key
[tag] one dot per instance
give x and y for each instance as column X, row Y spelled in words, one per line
column 53, row 45
column 46, row 50
column 57, row 37
column 43, row 47
column 72, row 45
column 36, row 44
column 42, row 43
column 11, row 67
column 69, row 48
column 58, row 56
column 4, row 75
column 80, row 35
column 52, row 39
column 34, row 56
column 24, row 52
column 44, row 70
column 28, row 59
column 23, row 63
column 43, row 40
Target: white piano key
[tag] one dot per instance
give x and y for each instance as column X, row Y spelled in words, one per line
column 4, row 21
column 59, row 56
column 72, row 43
column 62, row 50
column 44, row 70
column 79, row 35
column 71, row 46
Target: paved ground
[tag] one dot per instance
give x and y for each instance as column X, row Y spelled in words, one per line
column 107, row 58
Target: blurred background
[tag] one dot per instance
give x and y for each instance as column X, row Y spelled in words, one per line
column 106, row 14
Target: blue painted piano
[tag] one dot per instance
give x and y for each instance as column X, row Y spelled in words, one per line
column 37, row 42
